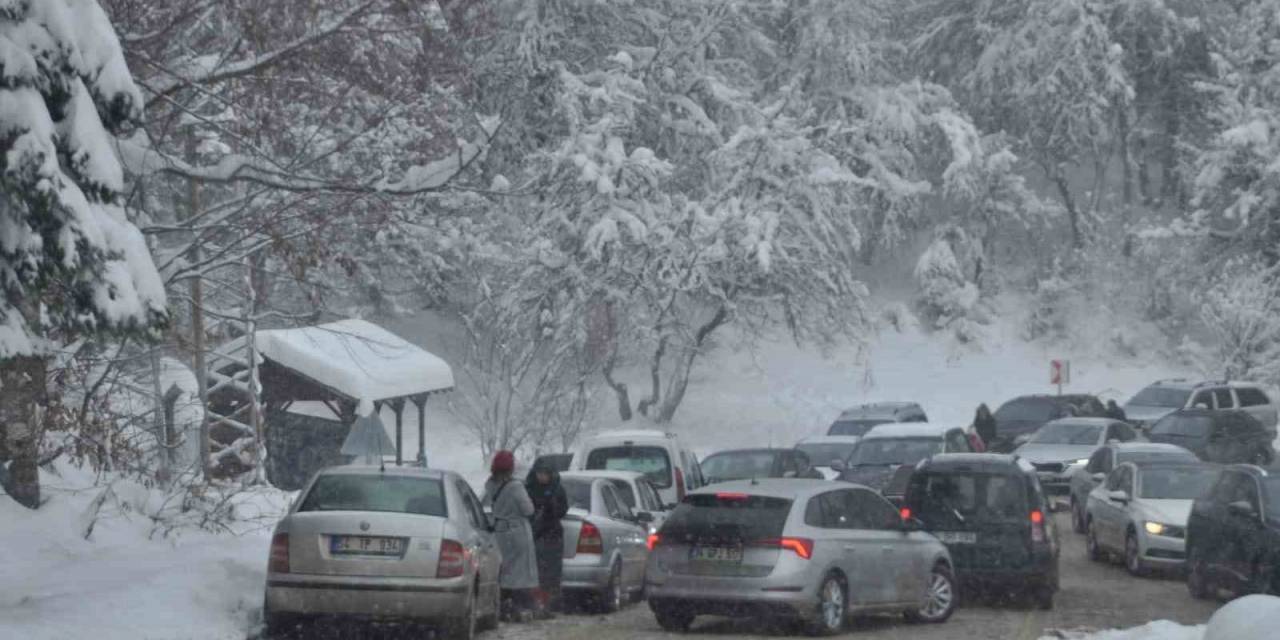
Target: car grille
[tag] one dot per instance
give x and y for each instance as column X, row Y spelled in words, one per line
column 1174, row 532
column 1049, row 467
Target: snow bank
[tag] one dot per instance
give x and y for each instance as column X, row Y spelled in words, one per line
column 1158, row 630
column 1249, row 618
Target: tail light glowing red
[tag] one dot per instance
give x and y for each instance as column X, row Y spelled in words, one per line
column 1037, row 526
column 453, row 559
column 279, row 559
column 654, row 541
column 905, row 513
column 802, row 547
column 589, row 540
column 724, row 495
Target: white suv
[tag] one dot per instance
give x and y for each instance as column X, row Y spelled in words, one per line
column 667, row 464
column 1166, row 396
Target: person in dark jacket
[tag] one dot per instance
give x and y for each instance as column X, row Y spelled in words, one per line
column 984, row 424
column 550, row 505
column 1115, row 412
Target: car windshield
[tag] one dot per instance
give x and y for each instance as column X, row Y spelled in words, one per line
column 733, row 516
column 1161, row 397
column 1271, row 487
column 1067, row 433
column 1185, row 426
column 625, row 491
column 1182, row 483
column 945, row 500
column 578, row 491
column 822, row 454
column 1026, row 410
column 738, row 465
column 891, row 451
column 651, row 461
column 376, row 492
column 855, row 427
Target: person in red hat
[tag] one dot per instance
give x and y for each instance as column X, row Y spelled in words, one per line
column 512, row 510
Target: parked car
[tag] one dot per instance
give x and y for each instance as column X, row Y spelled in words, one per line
column 857, row 420
column 744, row 464
column 809, row 549
column 888, row 453
column 605, row 548
column 669, row 465
column 559, row 462
column 1225, row 437
column 824, row 451
column 1061, row 448
column 404, row 543
column 635, row 490
column 1140, row 513
column 993, row 516
column 1106, row 459
column 1233, row 535
column 1020, row 417
column 1166, row 396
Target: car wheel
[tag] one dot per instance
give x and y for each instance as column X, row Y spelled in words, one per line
column 1197, row 580
column 278, row 626
column 672, row 618
column 613, row 597
column 1043, row 596
column 1259, row 581
column 489, row 622
column 833, row 604
column 1133, row 556
column 1077, row 517
column 464, row 627
column 941, row 599
column 1091, row 542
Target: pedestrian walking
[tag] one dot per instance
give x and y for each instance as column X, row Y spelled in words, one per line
column 975, row 440
column 512, row 510
column 1115, row 412
column 550, row 504
column 984, row 424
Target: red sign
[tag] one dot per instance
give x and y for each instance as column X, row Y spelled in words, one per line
column 1059, row 372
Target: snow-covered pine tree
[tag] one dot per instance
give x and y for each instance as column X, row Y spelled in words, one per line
column 71, row 262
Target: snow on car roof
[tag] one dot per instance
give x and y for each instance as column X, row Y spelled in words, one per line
column 1146, row 447
column 630, row 476
column 878, row 409
column 830, row 440
column 907, row 430
column 629, row 434
column 356, row 358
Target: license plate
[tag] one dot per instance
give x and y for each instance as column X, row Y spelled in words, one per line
column 366, row 546
column 957, row 537
column 728, row 555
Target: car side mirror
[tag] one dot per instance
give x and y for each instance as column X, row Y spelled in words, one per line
column 1099, row 478
column 1242, row 508
column 838, row 466
column 644, row 517
column 1118, row 496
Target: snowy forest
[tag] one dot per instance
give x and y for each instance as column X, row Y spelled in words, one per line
column 581, row 187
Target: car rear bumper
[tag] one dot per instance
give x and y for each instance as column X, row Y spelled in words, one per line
column 582, row 574
column 707, row 595
column 399, row 598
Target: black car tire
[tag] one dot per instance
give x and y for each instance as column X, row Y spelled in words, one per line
column 1259, row 581
column 1043, row 595
column 1198, row 584
column 1077, row 517
column 1132, row 557
column 613, row 597
column 1095, row 551
column 671, row 617
column 464, row 627
column 490, row 622
column 832, row 607
column 279, row 625
column 940, row 579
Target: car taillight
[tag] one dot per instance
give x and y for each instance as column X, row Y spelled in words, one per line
column 802, row 547
column 679, row 485
column 654, row 540
column 279, row 559
column 1037, row 526
column 453, row 559
column 726, row 495
column 904, row 513
column 589, row 540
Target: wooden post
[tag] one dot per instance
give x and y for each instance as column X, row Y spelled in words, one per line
column 398, row 406
column 421, row 403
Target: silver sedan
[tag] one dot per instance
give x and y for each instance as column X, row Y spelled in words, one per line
column 395, row 544
column 811, row 549
column 605, row 548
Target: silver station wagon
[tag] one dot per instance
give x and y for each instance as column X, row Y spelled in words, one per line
column 397, row 544
column 808, row 549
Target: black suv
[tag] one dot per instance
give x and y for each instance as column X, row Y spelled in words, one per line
column 1233, row 534
column 1023, row 415
column 993, row 516
column 1225, row 437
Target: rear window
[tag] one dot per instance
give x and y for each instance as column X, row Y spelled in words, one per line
column 1027, row 410
column 578, row 492
column 625, row 492
column 723, row 467
column 1271, row 487
column 728, row 517
column 396, row 494
column 1067, row 433
column 955, row 499
column 1177, row 484
column 823, row 454
column 653, row 462
column 1251, row 397
column 1186, row 426
column 855, row 427
column 1161, row 397
column 891, row 451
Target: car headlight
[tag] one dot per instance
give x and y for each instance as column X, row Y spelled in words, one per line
column 1156, row 528
column 1080, row 462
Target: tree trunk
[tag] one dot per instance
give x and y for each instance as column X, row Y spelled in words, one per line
column 1170, row 184
column 619, row 390
column 655, row 378
column 1068, row 201
column 1126, row 155
column 680, row 375
column 23, row 383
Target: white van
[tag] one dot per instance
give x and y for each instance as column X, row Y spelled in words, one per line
column 665, row 461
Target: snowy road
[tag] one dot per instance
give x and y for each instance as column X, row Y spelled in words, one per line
column 1093, row 596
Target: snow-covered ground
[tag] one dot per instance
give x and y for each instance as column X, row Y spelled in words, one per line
column 124, row 582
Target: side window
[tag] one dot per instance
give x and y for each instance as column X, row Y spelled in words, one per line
column 1225, row 488
column 647, row 496
column 1097, row 461
column 1126, row 480
column 1115, row 479
column 472, row 505
column 788, row 468
column 1127, row 434
column 829, row 511
column 1203, row 399
column 616, row 508
column 1222, row 396
column 802, row 460
column 1252, row 397
column 813, row 513
column 1249, row 492
column 870, row 510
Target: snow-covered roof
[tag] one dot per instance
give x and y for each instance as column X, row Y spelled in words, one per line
column 358, row 359
column 907, row 430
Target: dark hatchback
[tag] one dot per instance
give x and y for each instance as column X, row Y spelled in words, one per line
column 1224, row 437
column 1023, row 415
column 993, row 516
column 1233, row 534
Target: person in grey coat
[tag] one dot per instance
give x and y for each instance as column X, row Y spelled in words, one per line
column 512, row 509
